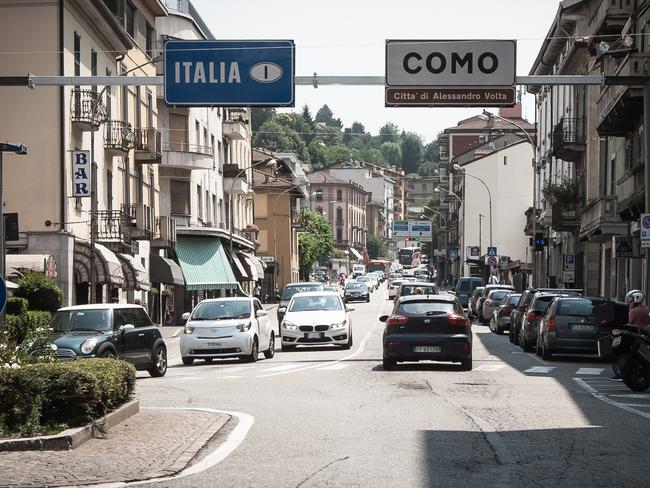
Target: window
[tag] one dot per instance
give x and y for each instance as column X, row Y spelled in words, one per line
column 199, row 202
column 214, row 154
column 207, row 206
column 180, row 195
column 339, row 216
column 93, row 66
column 138, row 109
column 77, row 54
column 205, row 137
column 197, row 133
column 152, row 190
column 149, row 40
column 129, row 19
column 215, row 211
column 109, row 93
column 319, row 195
column 339, row 235
column 109, row 190
column 339, row 195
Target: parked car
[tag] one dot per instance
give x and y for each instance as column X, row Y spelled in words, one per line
column 317, row 318
column 374, row 279
column 465, row 286
column 530, row 323
column 225, row 328
column 520, row 310
column 483, row 297
column 110, row 330
column 408, row 288
column 433, row 328
column 290, row 290
column 574, row 325
column 491, row 303
column 473, row 300
column 501, row 316
column 356, row 290
column 394, row 286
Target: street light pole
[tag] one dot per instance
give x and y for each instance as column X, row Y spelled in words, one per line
column 461, row 253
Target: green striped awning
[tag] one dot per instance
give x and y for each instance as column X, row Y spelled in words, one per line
column 204, row 263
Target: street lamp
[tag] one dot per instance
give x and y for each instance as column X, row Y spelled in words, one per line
column 19, row 149
column 461, row 255
column 438, row 189
column 457, row 167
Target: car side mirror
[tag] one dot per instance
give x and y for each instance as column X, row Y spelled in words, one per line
column 383, row 318
column 261, row 313
column 350, row 309
column 185, row 317
column 126, row 327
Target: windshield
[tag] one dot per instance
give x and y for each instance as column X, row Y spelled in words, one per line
column 512, row 299
column 498, row 295
column 578, row 308
column 356, row 286
column 313, row 303
column 222, row 310
column 426, row 308
column 541, row 303
column 93, row 320
column 290, row 291
column 363, row 278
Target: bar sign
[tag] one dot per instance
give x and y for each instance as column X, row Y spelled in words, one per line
column 80, row 174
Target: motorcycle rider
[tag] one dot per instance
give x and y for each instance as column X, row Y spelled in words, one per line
column 638, row 315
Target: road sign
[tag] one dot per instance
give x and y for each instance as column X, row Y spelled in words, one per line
column 475, row 252
column 568, row 276
column 420, row 229
column 80, row 174
column 645, row 228
column 569, row 262
column 503, row 261
column 450, row 97
column 452, row 254
column 3, row 294
column 229, row 73
column 491, row 261
column 401, row 228
column 491, row 251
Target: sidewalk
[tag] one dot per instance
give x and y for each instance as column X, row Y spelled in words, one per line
column 151, row 444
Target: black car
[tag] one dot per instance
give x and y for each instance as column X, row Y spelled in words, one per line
column 356, row 290
column 484, row 296
column 109, row 330
column 433, row 328
column 530, row 323
column 574, row 325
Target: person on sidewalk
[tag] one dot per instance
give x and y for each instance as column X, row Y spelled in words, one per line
column 493, row 280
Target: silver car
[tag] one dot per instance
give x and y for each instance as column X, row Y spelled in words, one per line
column 491, row 303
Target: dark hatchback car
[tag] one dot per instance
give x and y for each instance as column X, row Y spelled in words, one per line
column 530, row 323
column 290, row 290
column 356, row 291
column 110, row 330
column 416, row 288
column 501, row 317
column 432, row 328
column 574, row 325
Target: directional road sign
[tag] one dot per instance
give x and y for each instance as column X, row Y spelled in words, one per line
column 229, row 73
column 401, row 228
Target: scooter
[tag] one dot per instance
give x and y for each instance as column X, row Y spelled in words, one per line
column 629, row 348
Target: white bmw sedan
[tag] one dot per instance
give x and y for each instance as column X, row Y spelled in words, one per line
column 227, row 327
column 316, row 318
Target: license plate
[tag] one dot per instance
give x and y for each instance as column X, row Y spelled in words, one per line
column 426, row 349
column 313, row 335
column 214, row 344
column 583, row 328
column 617, row 341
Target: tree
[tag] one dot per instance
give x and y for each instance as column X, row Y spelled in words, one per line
column 277, row 135
column 428, row 169
column 412, row 148
column 259, row 116
column 358, row 128
column 375, row 247
column 432, row 151
column 392, row 153
column 306, row 114
column 389, row 133
column 40, row 291
column 315, row 241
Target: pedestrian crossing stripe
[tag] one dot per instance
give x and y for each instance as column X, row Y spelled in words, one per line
column 490, row 367
column 540, row 369
column 590, row 371
column 284, row 367
column 333, row 367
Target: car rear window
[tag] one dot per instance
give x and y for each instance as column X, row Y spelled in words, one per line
column 579, row 308
column 463, row 285
column 290, row 291
column 498, row 295
column 413, row 290
column 542, row 303
column 426, row 308
column 513, row 299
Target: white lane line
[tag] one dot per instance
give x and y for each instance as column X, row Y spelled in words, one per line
column 333, row 367
column 636, row 396
column 236, row 437
column 236, row 369
column 590, row 371
column 489, row 367
column 230, row 377
column 284, row 367
column 540, row 369
column 606, row 399
column 642, row 405
column 177, row 333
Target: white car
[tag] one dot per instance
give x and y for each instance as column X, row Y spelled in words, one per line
column 227, row 327
column 316, row 318
column 394, row 286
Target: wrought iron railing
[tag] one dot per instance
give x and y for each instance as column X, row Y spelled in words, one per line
column 113, row 226
column 87, row 107
column 119, row 135
column 148, row 140
column 185, row 147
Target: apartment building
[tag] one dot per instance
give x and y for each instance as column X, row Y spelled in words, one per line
column 83, row 38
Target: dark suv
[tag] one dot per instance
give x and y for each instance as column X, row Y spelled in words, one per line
column 110, row 330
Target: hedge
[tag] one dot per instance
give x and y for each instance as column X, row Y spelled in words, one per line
column 19, row 327
column 17, row 305
column 48, row 397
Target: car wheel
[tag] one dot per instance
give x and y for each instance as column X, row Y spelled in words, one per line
column 389, row 364
column 159, row 359
column 491, row 325
column 188, row 361
column 547, row 354
column 511, row 335
column 538, row 348
column 466, row 364
column 270, row 352
column 255, row 351
column 349, row 344
column 368, row 300
column 107, row 353
column 287, row 348
column 525, row 345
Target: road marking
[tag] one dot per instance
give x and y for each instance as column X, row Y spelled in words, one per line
column 540, row 369
column 636, row 396
column 175, row 334
column 284, row 367
column 231, row 377
column 235, row 369
column 590, row 371
column 489, row 367
column 642, row 405
column 603, row 398
column 334, row 367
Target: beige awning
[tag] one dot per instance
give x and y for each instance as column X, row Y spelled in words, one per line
column 17, row 264
column 256, row 268
column 108, row 268
column 136, row 276
column 356, row 254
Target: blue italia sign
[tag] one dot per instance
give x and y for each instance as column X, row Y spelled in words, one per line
column 229, row 73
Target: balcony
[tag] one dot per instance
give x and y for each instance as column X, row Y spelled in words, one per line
column 181, row 155
column 114, row 229
column 252, row 234
column 119, row 137
column 298, row 221
column 569, row 138
column 142, row 221
column 600, row 220
column 564, row 219
column 611, row 17
column 234, row 180
column 165, row 233
column 235, row 129
column 619, row 107
column 148, row 146
column 528, row 230
column 87, row 110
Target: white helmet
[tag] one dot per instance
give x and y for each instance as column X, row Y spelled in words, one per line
column 637, row 296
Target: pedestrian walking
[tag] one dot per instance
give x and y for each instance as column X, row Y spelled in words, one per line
column 493, row 280
column 257, row 291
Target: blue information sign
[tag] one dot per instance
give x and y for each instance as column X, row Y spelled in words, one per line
column 229, row 73
column 491, row 251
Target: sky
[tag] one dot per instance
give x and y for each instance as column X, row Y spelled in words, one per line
column 347, row 37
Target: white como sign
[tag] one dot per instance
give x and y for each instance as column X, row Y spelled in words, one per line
column 462, row 63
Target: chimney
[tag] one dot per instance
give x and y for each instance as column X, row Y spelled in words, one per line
column 511, row 112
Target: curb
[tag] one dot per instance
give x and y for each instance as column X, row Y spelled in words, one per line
column 72, row 438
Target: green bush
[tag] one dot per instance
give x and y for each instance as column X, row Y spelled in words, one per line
column 18, row 328
column 41, row 292
column 47, row 397
column 17, row 305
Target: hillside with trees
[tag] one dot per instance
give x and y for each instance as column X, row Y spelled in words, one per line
column 322, row 139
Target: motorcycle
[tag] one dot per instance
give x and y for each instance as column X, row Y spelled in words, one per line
column 629, row 348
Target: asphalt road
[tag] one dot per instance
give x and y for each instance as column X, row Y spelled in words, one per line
column 332, row 418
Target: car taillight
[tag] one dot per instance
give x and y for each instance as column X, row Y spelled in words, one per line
column 395, row 321
column 533, row 316
column 550, row 324
column 455, row 319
